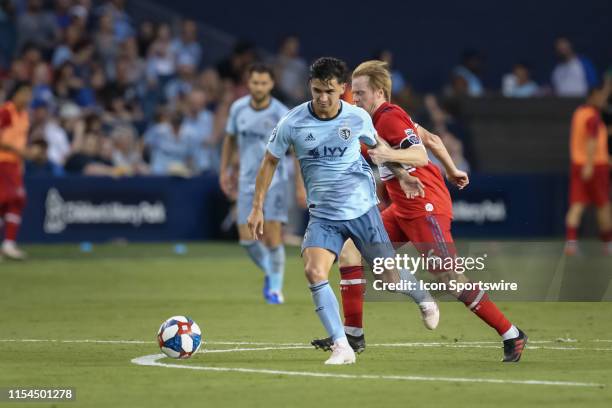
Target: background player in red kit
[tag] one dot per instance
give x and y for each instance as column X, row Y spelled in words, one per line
column 590, row 169
column 14, row 125
column 424, row 219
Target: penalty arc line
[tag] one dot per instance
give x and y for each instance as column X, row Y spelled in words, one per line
column 153, row 360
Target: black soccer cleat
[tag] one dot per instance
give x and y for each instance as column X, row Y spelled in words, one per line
column 323, row 344
column 357, row 343
column 513, row 348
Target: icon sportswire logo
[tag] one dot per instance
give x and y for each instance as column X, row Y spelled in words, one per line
column 60, row 213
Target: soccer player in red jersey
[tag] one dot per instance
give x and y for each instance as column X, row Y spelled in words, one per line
column 423, row 219
column 590, row 169
column 14, row 125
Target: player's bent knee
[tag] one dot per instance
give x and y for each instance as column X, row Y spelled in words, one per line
column 315, row 273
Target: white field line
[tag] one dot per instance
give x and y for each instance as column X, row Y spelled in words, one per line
column 276, row 346
column 404, row 345
column 484, row 345
column 251, row 343
column 448, row 343
column 254, row 349
column 229, row 343
column 152, row 360
column 75, row 341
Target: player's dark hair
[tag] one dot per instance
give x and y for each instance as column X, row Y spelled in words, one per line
column 260, row 68
column 328, row 68
column 17, row 86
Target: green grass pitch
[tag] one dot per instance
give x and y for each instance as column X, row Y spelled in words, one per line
column 123, row 293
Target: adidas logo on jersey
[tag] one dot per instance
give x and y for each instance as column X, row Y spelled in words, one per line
column 309, row 138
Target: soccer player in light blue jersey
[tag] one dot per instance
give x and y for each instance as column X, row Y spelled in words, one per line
column 251, row 120
column 325, row 134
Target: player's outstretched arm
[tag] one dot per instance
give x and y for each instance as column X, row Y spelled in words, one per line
column 255, row 222
column 411, row 186
column 414, row 156
column 434, row 143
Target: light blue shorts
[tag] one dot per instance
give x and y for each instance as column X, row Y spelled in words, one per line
column 367, row 231
column 276, row 205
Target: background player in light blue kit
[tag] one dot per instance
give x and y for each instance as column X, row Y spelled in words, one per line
column 251, row 120
column 325, row 134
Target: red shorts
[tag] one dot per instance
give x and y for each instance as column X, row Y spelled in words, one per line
column 594, row 191
column 11, row 182
column 430, row 234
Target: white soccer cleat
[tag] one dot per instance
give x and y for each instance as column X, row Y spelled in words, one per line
column 342, row 353
column 430, row 314
column 10, row 250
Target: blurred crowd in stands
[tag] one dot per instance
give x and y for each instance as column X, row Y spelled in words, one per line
column 573, row 76
column 114, row 95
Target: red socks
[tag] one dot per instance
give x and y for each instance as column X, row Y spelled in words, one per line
column 352, row 288
column 479, row 303
column 12, row 223
column 571, row 233
column 11, row 212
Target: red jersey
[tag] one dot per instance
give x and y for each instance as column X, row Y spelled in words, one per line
column 395, row 126
column 14, row 126
column 587, row 124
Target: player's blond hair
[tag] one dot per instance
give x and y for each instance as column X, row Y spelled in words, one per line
column 378, row 75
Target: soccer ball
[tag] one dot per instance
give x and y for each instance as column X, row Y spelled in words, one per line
column 179, row 337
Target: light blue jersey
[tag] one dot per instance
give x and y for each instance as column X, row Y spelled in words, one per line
column 252, row 128
column 339, row 182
